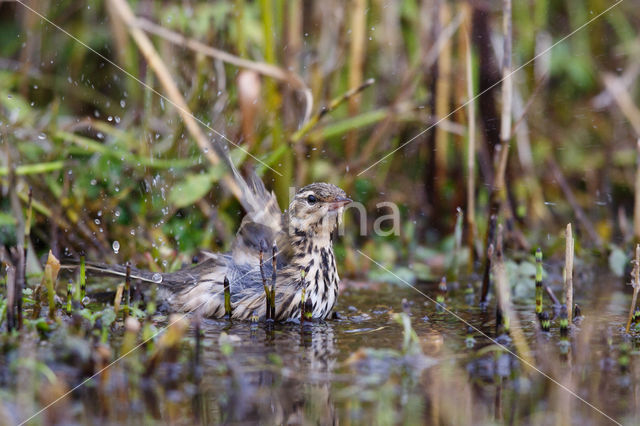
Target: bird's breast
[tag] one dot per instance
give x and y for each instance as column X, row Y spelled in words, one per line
column 321, row 279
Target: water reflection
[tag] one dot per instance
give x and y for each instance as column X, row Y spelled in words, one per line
column 281, row 375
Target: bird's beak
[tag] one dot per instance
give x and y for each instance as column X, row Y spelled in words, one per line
column 339, row 202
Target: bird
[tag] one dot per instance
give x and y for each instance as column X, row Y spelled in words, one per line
column 301, row 258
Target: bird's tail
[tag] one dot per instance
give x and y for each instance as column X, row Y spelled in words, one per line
column 175, row 281
column 104, row 269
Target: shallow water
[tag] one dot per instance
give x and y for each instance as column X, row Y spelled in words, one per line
column 320, row 373
column 362, row 367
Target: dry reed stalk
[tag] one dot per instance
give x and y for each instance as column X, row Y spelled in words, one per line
column 357, row 49
column 507, row 94
column 635, row 282
column 122, row 9
column 471, row 145
column 443, row 101
column 568, row 273
column 11, row 296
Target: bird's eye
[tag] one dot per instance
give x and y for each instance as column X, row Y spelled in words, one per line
column 311, row 199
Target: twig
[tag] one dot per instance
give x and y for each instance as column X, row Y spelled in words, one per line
column 571, row 199
column 568, row 272
column 552, row 296
column 333, row 104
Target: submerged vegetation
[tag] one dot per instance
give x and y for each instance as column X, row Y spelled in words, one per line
column 507, row 136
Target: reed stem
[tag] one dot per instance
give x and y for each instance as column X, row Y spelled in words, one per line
column 48, row 279
column 267, row 295
column 442, row 293
column 486, row 278
column 274, row 265
column 227, row 298
column 127, row 290
column 303, row 292
column 471, row 158
column 69, row 297
column 568, row 273
column 27, row 235
column 83, row 278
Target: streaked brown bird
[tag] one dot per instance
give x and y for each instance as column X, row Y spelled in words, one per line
column 304, row 260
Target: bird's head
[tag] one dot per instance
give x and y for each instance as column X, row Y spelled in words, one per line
column 317, row 208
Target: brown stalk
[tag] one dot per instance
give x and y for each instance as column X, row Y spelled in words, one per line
column 18, row 258
column 498, row 191
column 356, row 63
column 507, row 94
column 568, row 272
column 442, row 104
column 471, row 152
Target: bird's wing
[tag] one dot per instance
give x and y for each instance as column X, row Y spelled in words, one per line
column 262, row 226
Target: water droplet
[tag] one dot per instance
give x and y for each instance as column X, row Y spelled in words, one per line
column 115, row 246
column 42, row 136
column 109, row 118
column 97, row 221
column 123, row 103
column 156, row 278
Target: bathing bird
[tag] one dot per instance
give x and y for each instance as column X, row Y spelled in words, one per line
column 297, row 243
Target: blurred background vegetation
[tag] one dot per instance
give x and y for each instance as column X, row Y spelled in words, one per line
column 118, row 174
